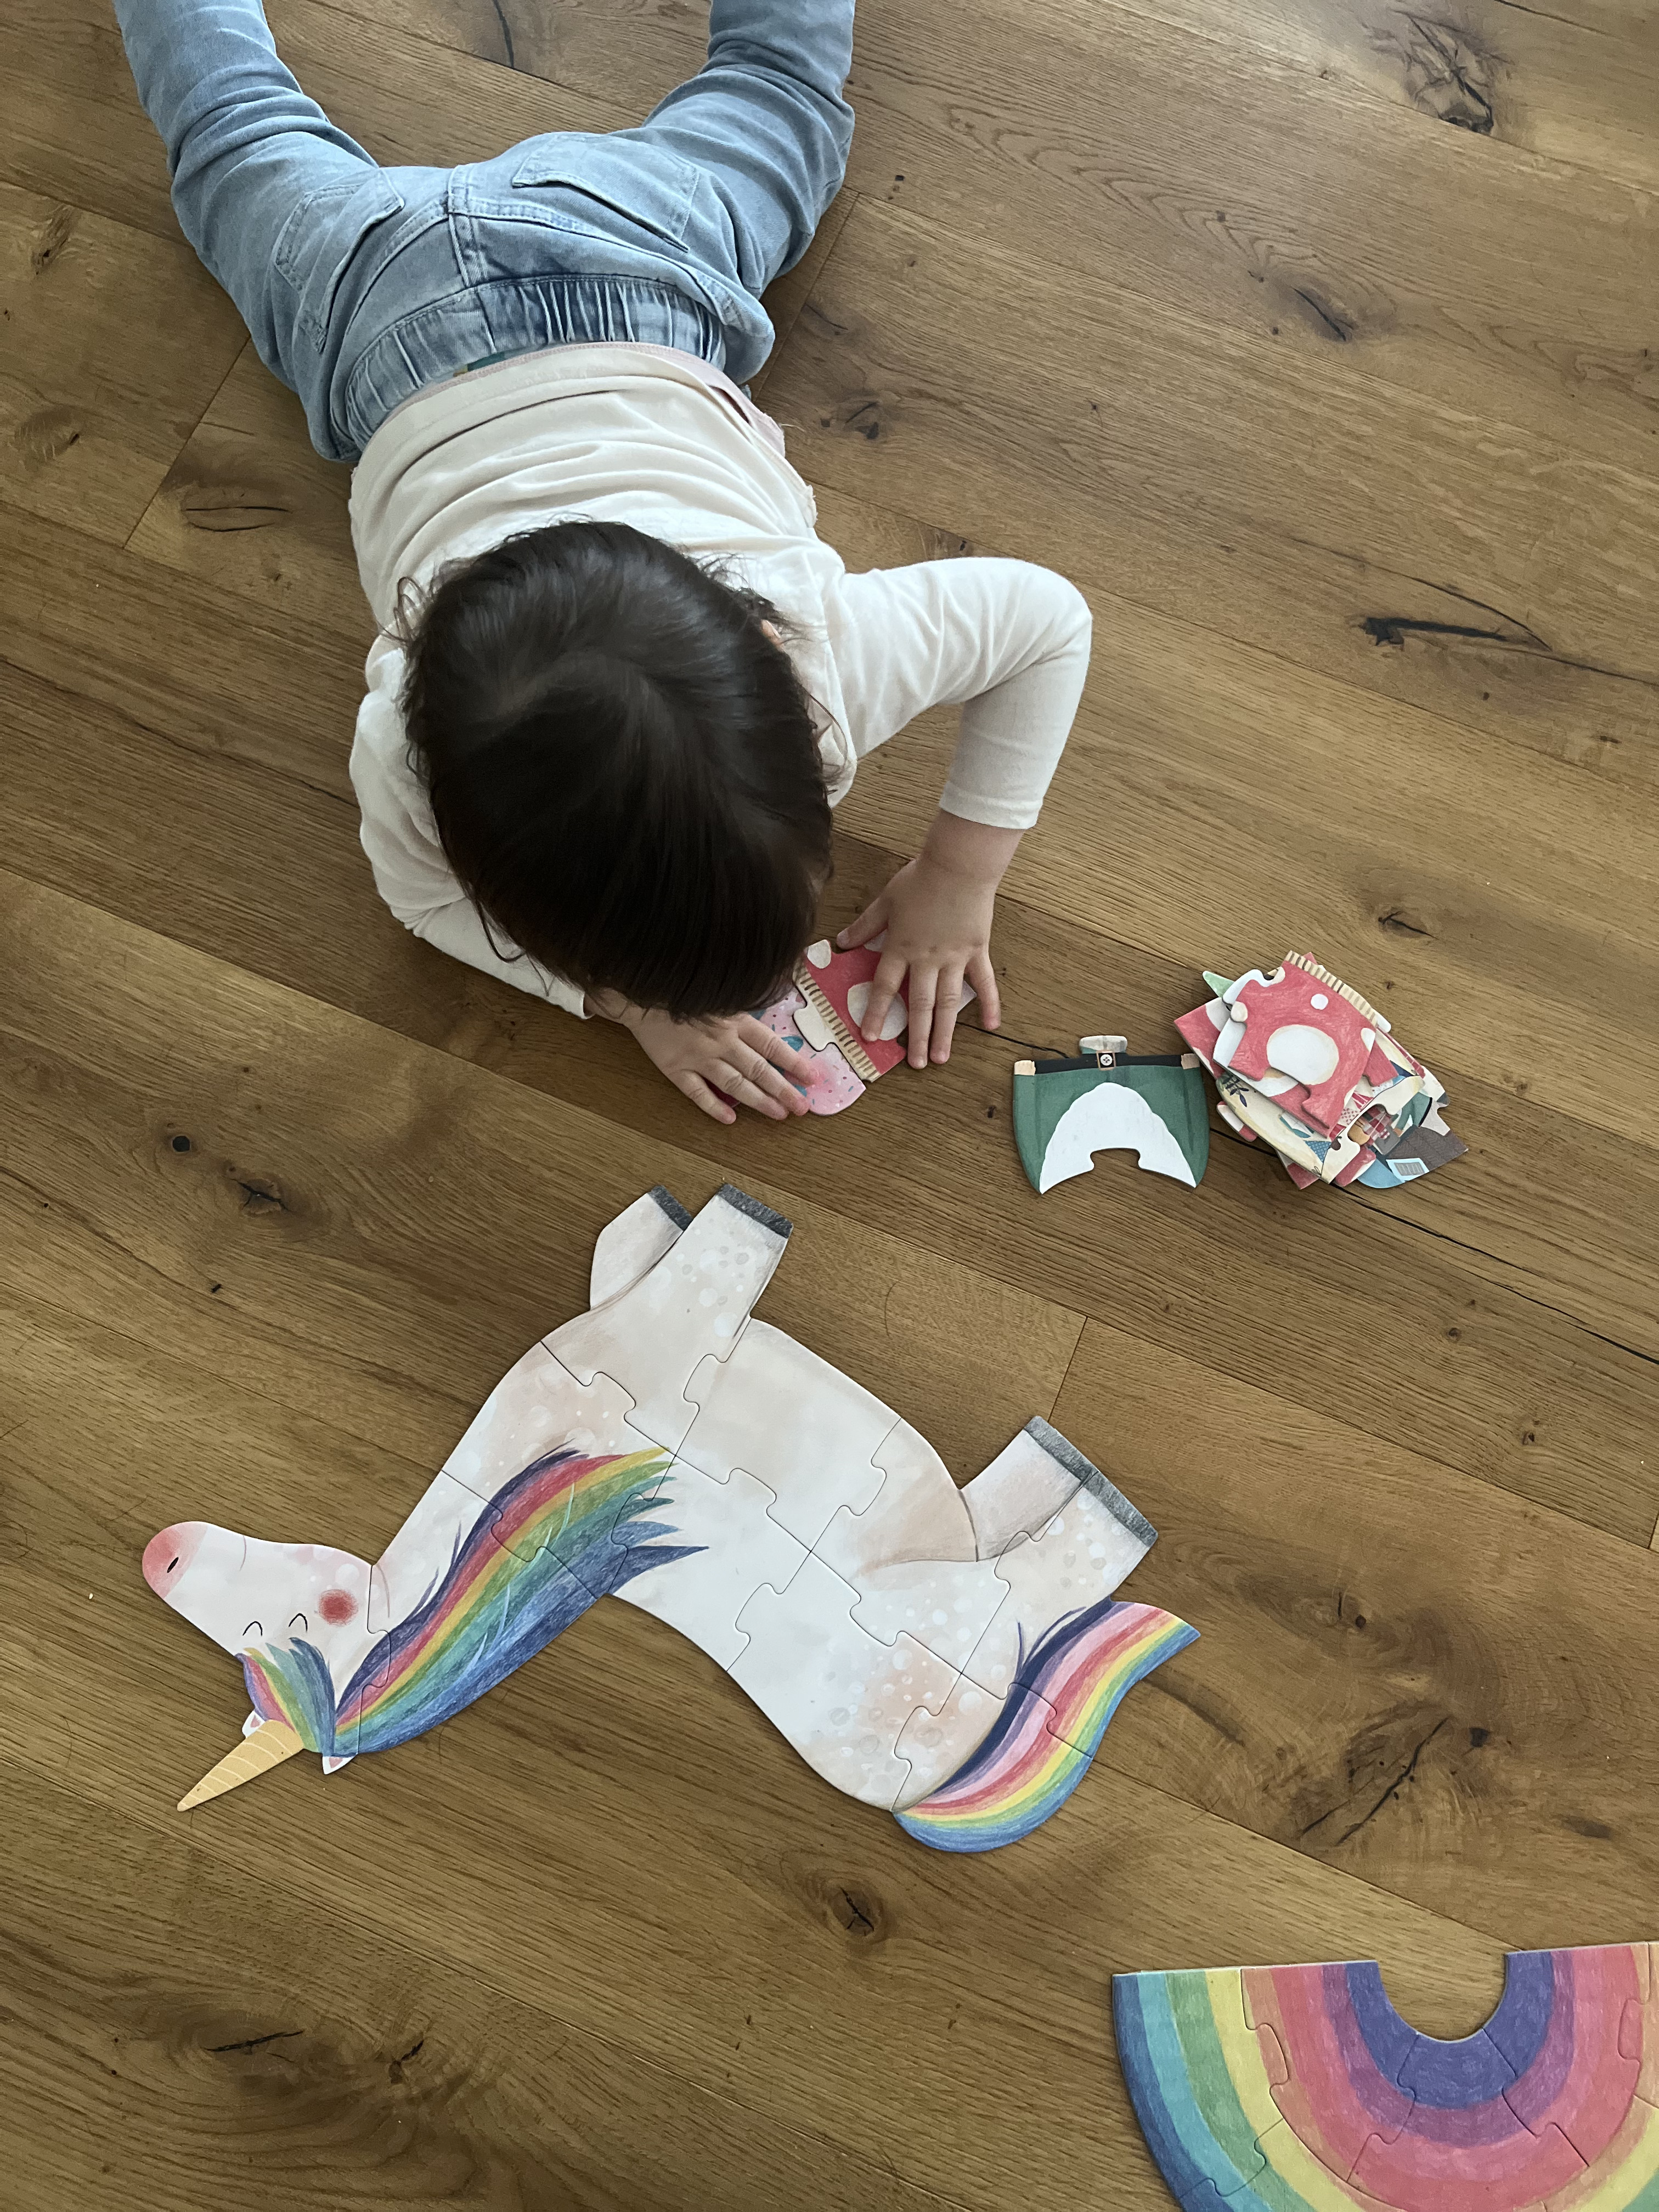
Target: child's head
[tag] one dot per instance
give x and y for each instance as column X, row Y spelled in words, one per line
column 623, row 764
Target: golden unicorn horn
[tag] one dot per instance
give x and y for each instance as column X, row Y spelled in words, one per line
column 270, row 1743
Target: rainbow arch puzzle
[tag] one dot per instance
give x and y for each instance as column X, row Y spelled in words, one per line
column 952, row 1656
column 1301, row 2088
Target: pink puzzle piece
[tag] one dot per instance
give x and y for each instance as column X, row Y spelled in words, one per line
column 1302, row 1043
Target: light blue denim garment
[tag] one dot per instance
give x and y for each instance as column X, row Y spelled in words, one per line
column 361, row 284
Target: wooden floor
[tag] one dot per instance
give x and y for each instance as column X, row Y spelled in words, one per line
column 1319, row 341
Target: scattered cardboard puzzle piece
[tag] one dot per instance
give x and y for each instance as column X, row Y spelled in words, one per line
column 1301, row 1060
column 1064, row 1111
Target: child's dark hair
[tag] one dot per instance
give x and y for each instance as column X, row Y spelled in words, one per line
column 623, row 766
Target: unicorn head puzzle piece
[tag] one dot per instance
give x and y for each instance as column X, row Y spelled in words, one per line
column 667, row 1449
column 1301, row 2088
column 1151, row 1103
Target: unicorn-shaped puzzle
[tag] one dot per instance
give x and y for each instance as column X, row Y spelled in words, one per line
column 952, row 1655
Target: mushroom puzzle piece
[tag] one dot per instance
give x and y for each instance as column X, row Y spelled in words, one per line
column 1151, row 1103
column 667, row 1449
column 1301, row 2088
column 1302, row 1059
column 821, row 1015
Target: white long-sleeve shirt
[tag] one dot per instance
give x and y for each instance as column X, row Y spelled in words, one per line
column 633, row 433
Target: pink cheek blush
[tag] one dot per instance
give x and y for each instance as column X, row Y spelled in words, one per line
column 337, row 1605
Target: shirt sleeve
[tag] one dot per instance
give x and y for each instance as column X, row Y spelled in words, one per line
column 1007, row 640
column 401, row 840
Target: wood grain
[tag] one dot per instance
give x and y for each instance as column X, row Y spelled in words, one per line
column 1523, row 1344
column 90, row 421
column 1340, row 407
column 1402, row 1673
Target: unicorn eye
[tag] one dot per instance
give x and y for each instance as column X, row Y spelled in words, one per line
column 253, row 1627
column 301, row 1617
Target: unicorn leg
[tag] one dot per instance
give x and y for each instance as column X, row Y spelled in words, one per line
column 1041, row 1686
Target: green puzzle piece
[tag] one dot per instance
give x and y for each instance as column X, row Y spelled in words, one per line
column 1067, row 1110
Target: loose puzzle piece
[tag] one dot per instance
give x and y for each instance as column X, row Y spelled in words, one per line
column 1152, row 1104
column 1539, row 2107
column 1305, row 1062
column 666, row 1449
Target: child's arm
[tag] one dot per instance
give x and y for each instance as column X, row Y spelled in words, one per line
column 1011, row 643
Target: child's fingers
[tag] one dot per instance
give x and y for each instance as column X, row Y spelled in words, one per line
column 771, row 1047
column 883, row 990
column 984, row 977
column 870, row 923
column 700, row 1095
column 947, row 1004
column 745, row 1091
column 924, row 982
column 764, row 1077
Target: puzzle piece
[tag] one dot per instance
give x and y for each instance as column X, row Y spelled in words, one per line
column 1341, row 2066
column 1303, row 1039
column 692, row 1307
column 1189, row 2029
column 831, row 1084
column 630, row 1246
column 799, row 1425
column 841, row 1697
column 1066, row 1571
column 1018, row 1493
column 1152, row 1104
column 723, row 1545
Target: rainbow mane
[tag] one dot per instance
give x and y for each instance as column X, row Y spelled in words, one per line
column 493, row 1608
column 1074, row 1677
column 1301, row 2089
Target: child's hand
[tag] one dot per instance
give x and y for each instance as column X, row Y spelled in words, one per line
column 735, row 1054
column 937, row 912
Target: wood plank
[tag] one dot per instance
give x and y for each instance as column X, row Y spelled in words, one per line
column 249, row 506
column 1401, row 1671
column 90, row 421
column 1134, row 416
column 168, row 2012
column 1579, row 83
column 1518, row 1338
column 200, row 667
column 1339, row 265
column 777, row 1954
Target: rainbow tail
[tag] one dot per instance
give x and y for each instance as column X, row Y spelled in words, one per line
column 1049, row 1728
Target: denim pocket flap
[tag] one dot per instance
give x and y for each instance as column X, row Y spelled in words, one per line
column 320, row 238
column 643, row 183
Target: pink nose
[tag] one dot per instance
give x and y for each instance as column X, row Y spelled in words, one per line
column 167, row 1555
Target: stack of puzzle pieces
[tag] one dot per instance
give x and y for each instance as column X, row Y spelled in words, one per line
column 1307, row 1063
